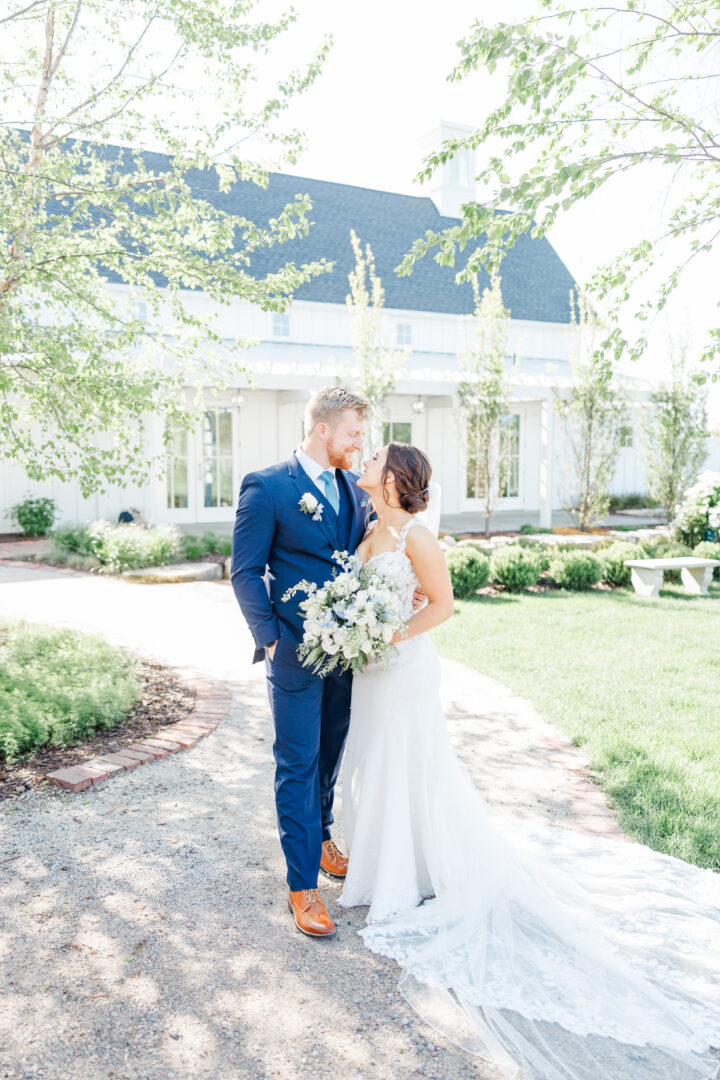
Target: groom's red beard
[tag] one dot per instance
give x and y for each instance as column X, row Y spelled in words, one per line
column 339, row 458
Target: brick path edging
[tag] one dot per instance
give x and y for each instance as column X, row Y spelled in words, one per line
column 212, row 705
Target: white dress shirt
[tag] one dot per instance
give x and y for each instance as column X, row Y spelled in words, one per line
column 314, row 469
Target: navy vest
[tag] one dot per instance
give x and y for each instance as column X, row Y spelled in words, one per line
column 344, row 514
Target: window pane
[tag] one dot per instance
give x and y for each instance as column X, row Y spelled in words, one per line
column 509, row 486
column 179, row 484
column 387, row 433
column 402, row 432
column 224, row 431
column 475, row 462
column 177, row 468
column 226, row 481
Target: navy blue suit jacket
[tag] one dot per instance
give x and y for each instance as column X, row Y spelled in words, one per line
column 275, row 545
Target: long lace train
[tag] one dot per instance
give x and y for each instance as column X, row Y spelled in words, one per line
column 553, row 955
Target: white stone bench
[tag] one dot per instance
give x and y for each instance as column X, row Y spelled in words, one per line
column 647, row 574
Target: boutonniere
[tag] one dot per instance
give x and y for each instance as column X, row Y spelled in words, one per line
column 310, row 505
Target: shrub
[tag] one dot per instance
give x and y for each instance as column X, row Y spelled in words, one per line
column 576, row 570
column 706, row 549
column 540, row 551
column 73, row 539
column 665, row 548
column 634, row 501
column 195, row 547
column 34, row 516
column 515, row 567
column 530, row 530
column 469, row 570
column 59, row 686
column 612, row 560
column 121, row 547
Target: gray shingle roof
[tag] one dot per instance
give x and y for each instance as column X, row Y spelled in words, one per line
column 535, row 282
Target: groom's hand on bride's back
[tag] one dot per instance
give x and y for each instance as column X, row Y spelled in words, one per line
column 419, row 599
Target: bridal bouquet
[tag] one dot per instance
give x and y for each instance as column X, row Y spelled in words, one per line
column 348, row 621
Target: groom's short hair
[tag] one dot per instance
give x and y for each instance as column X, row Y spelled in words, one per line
column 327, row 405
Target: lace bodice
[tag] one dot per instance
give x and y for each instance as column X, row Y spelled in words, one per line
column 396, row 567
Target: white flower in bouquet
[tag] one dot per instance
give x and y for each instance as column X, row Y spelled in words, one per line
column 350, row 620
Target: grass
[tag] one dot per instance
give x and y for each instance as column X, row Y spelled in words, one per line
column 59, row 686
column 635, row 682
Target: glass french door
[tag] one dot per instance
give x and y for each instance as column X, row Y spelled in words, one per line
column 215, row 467
column 201, row 469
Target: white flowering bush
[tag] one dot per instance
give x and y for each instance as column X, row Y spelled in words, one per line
column 348, row 621
column 699, row 509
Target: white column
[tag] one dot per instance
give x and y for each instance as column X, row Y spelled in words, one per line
column 547, row 412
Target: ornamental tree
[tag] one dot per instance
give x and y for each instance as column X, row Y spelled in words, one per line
column 592, row 415
column 675, row 434
column 378, row 364
column 591, row 93
column 84, row 83
column 483, row 394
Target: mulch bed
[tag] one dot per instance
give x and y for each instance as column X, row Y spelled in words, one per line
column 165, row 700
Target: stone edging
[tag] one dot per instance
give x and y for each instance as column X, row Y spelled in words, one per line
column 212, row 705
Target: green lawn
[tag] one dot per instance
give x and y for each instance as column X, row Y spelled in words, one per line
column 635, row 682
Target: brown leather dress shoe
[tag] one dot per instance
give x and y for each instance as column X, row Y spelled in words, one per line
column 332, row 861
column 311, row 915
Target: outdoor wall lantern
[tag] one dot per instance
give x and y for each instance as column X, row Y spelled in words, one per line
column 239, row 400
column 418, row 405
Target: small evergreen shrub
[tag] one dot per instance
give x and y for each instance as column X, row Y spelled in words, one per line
column 73, row 539
column 58, row 687
column 576, row 570
column 541, row 552
column 34, row 516
column 668, row 549
column 706, row 549
column 469, row 571
column 612, row 560
column 515, row 567
column 195, row 547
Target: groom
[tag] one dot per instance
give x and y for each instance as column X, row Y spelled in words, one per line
column 290, row 519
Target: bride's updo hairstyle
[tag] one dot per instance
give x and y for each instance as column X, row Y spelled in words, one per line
column 412, row 473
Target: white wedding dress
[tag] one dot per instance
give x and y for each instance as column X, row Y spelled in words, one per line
column 552, row 955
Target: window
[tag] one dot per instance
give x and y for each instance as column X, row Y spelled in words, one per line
column 281, row 324
column 509, row 472
column 508, row 464
column 177, row 468
column 404, row 334
column 217, row 458
column 397, row 432
column 626, row 435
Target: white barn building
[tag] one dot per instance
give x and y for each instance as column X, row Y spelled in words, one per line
column 260, row 420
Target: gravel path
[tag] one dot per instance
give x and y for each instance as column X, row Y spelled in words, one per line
column 144, row 933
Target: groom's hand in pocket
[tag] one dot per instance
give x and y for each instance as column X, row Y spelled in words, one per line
column 270, row 649
column 419, row 599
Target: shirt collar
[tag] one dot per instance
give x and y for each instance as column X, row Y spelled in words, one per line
column 312, row 467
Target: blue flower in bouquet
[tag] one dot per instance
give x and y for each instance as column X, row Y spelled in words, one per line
column 350, row 620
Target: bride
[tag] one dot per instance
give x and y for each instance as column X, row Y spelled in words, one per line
column 553, row 956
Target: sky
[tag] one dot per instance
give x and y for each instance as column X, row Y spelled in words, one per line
column 385, row 85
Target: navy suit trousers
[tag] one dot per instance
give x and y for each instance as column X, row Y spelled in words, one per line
column 312, row 716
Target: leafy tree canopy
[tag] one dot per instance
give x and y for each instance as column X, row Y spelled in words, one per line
column 593, row 92
column 83, row 85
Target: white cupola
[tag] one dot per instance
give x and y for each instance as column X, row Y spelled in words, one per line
column 453, row 183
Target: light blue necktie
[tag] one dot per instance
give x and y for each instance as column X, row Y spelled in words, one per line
column 331, row 494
